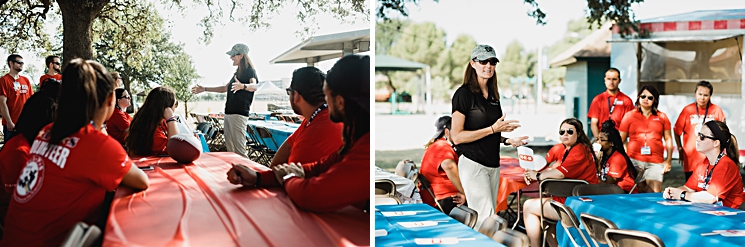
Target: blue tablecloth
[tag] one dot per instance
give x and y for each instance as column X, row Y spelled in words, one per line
column 676, row 225
column 280, row 131
column 447, row 228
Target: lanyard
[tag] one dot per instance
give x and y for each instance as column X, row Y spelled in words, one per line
column 710, row 173
column 614, row 105
column 316, row 113
column 604, row 161
column 705, row 113
column 566, row 153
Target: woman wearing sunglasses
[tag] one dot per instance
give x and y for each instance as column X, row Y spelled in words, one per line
column 477, row 126
column 717, row 179
column 577, row 162
column 119, row 121
column 645, row 127
column 615, row 165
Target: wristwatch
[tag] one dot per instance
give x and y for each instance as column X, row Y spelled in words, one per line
column 683, row 195
column 288, row 176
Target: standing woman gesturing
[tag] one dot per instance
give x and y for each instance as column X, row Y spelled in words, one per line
column 240, row 91
column 478, row 123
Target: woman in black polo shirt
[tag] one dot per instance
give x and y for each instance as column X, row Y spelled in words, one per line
column 477, row 129
column 240, row 91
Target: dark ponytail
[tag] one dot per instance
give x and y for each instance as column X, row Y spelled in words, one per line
column 730, row 145
column 608, row 127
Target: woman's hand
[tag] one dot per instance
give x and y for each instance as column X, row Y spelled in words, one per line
column 459, row 198
column 667, row 166
column 502, row 125
column 530, row 176
column 197, row 89
column 517, row 141
column 167, row 113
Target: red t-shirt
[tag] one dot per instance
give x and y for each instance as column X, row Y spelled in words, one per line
column 311, row 142
column 160, row 138
column 332, row 183
column 437, row 152
column 13, row 157
column 643, row 130
column 61, row 185
column 57, row 77
column 118, row 124
column 17, row 92
column 688, row 120
column 725, row 183
column 599, row 107
column 578, row 165
column 555, row 153
column 616, row 168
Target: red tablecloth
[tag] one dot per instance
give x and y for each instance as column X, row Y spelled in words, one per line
column 195, row 205
column 511, row 179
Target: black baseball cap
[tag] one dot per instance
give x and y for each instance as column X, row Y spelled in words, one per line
column 307, row 81
column 350, row 77
column 441, row 124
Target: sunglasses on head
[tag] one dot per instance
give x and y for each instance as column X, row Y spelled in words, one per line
column 702, row 136
column 492, row 61
column 650, row 97
column 569, row 131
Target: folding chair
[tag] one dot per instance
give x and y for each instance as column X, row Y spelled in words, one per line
column 492, row 225
column 407, row 168
column 262, row 157
column 596, row 227
column 597, row 189
column 568, row 220
column 253, row 148
column 265, row 134
column 554, row 187
column 385, row 192
column 626, row 238
column 465, row 215
column 428, row 187
column 82, row 235
column 511, row 238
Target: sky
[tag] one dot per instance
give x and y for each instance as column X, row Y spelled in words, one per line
column 264, row 45
column 498, row 23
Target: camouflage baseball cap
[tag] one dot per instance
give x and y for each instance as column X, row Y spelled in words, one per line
column 239, row 48
column 483, row 52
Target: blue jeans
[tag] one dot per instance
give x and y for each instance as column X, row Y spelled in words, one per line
column 8, row 134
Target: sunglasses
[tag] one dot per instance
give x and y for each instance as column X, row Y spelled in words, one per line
column 492, row 61
column 57, row 63
column 289, row 91
column 601, row 140
column 18, row 62
column 650, row 97
column 569, row 131
column 702, row 136
column 126, row 97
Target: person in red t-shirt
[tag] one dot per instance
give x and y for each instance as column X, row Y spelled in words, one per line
column 555, row 153
column 690, row 120
column 317, row 135
column 72, row 164
column 718, row 178
column 611, row 104
column 645, row 127
column 440, row 167
column 342, row 178
column 15, row 89
column 118, row 123
column 577, row 163
column 53, row 70
column 615, row 165
column 153, row 124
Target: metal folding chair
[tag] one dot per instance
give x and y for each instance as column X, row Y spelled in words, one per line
column 511, row 238
column 596, row 227
column 568, row 220
column 262, row 149
column 492, row 225
column 82, row 235
column 596, row 189
column 428, row 187
column 265, row 134
column 385, row 192
column 465, row 215
column 554, row 187
column 631, row 238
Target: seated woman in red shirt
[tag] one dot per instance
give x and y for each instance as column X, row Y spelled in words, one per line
column 153, row 124
column 577, row 163
column 119, row 121
column 37, row 113
column 717, row 179
column 440, row 167
column 72, row 163
column 615, row 165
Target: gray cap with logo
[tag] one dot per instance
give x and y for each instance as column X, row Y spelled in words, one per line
column 239, row 48
column 483, row 52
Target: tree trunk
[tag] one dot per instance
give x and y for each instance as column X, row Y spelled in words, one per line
column 77, row 20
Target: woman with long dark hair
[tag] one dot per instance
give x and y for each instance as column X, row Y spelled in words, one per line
column 577, row 163
column 478, row 123
column 119, row 122
column 153, row 124
column 615, row 166
column 717, row 179
column 240, row 91
column 646, row 126
column 72, row 163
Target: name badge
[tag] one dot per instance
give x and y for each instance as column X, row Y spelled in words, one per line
column 646, row 150
column 619, row 102
column 16, row 85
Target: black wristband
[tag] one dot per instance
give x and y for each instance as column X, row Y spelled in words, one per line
column 538, row 176
column 683, row 195
column 258, row 179
column 505, row 141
